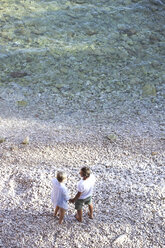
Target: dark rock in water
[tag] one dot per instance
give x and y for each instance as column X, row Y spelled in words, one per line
column 91, row 32
column 128, row 31
column 157, row 2
column 29, row 59
column 154, row 38
column 18, row 74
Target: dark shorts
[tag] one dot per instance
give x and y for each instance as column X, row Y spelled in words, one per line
column 80, row 202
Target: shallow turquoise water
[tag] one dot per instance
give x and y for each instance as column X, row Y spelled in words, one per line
column 82, row 49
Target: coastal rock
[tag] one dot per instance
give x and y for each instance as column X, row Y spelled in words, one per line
column 2, row 140
column 26, row 141
column 112, row 137
column 120, row 240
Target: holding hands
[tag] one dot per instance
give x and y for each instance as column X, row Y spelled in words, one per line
column 71, row 200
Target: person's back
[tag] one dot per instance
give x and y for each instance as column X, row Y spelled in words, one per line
column 55, row 191
column 59, row 195
column 63, row 196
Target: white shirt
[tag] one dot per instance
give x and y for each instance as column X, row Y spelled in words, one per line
column 86, row 187
column 59, row 194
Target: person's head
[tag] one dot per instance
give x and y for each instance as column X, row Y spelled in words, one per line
column 61, row 176
column 85, row 172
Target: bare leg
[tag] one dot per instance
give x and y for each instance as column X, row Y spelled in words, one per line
column 62, row 213
column 56, row 211
column 90, row 211
column 79, row 215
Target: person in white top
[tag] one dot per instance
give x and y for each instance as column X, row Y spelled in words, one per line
column 84, row 195
column 59, row 196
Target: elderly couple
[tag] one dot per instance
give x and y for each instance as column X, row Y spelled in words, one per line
column 60, row 195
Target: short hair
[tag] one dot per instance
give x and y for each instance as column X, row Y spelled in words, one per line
column 61, row 176
column 85, row 171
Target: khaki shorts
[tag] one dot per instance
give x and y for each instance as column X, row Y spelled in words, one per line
column 80, row 202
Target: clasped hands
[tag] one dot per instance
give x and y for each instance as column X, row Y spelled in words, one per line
column 71, row 200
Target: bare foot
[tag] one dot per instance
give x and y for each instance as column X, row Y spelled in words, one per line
column 77, row 218
column 56, row 215
column 90, row 216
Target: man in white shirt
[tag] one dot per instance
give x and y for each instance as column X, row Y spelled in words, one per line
column 84, row 195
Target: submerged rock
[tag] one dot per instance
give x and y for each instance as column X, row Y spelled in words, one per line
column 18, row 74
column 149, row 90
column 21, row 103
column 79, row 1
column 157, row 2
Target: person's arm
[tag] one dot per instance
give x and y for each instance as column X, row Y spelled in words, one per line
column 76, row 197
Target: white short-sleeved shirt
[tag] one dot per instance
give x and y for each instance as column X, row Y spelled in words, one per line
column 86, row 186
column 59, row 195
